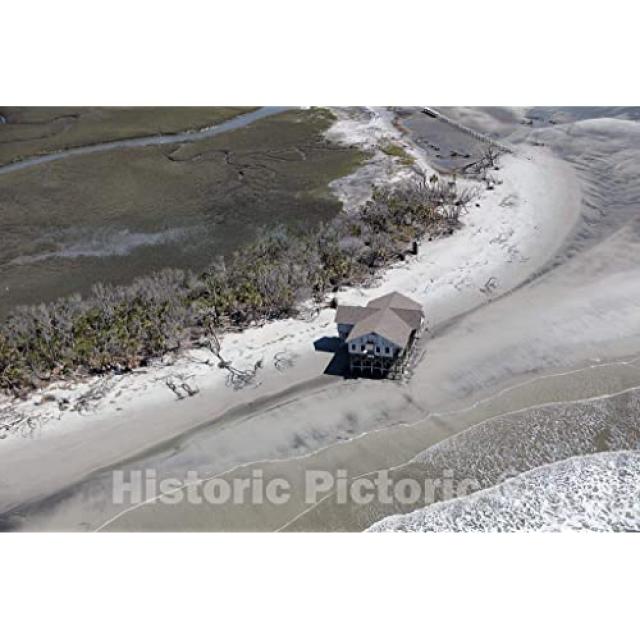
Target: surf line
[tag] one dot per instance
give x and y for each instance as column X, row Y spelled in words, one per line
column 387, row 428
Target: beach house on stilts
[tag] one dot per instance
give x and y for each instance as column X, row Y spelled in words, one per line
column 380, row 336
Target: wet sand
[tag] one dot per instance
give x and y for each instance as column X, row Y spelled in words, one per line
column 506, row 417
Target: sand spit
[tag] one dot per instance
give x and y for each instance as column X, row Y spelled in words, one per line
column 586, row 305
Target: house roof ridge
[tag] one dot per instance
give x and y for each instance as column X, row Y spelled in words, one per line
column 392, row 316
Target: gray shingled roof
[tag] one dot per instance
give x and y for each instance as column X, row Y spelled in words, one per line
column 346, row 314
column 385, row 323
column 411, row 316
column 395, row 300
column 392, row 316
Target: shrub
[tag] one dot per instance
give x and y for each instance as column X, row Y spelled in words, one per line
column 116, row 328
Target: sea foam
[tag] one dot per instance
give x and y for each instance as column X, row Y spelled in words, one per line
column 598, row 492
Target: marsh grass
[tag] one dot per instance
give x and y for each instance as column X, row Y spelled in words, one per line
column 32, row 131
column 216, row 192
column 398, row 152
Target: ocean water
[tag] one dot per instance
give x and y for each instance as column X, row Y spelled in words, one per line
column 599, row 492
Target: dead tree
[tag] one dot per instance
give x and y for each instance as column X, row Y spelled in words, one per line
column 490, row 156
column 236, row 378
column 481, row 168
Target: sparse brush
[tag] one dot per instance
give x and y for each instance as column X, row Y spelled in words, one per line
column 117, row 328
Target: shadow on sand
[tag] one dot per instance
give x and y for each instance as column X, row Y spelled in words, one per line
column 339, row 364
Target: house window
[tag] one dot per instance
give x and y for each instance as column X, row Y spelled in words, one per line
column 362, row 347
column 352, row 347
column 377, row 349
column 386, row 350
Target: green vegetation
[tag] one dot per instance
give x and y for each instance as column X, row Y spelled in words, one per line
column 31, row 131
column 117, row 328
column 398, row 152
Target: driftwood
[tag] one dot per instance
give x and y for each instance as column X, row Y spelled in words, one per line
column 181, row 387
column 309, row 314
column 489, row 286
column 12, row 421
column 283, row 360
column 240, row 378
column 236, row 378
column 509, row 201
column 190, row 390
column 90, row 399
column 172, row 385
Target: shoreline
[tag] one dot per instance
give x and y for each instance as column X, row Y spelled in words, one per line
column 140, row 413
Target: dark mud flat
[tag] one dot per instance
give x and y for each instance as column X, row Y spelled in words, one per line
column 448, row 148
column 114, row 215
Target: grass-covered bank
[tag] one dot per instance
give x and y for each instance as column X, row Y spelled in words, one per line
column 112, row 216
column 121, row 327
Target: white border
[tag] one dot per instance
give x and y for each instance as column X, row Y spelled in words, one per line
column 318, row 586
column 337, row 52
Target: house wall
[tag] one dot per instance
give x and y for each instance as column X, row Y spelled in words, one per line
column 380, row 345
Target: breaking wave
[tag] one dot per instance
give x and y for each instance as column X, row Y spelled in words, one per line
column 599, row 492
